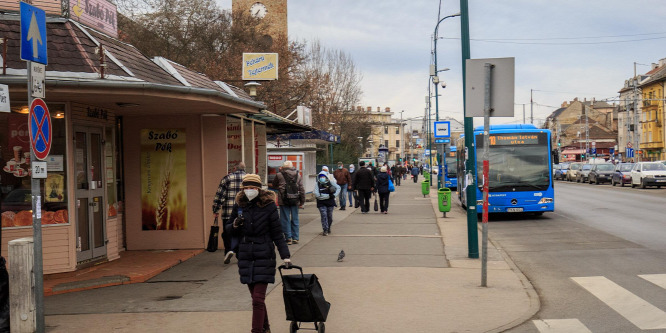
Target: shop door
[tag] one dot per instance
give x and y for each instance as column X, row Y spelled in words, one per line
column 90, row 217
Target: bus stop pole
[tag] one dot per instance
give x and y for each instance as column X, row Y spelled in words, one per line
column 470, row 166
column 486, row 165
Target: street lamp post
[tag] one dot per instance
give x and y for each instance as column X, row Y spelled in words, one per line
column 401, row 133
column 331, row 144
column 435, row 80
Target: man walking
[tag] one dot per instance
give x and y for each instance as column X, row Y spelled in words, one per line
column 350, row 192
column 291, row 197
column 415, row 173
column 225, row 198
column 343, row 178
column 364, row 183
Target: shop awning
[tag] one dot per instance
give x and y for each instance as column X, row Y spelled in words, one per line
column 315, row 136
column 573, row 152
column 277, row 124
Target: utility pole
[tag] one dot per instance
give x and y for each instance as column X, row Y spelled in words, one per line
column 636, row 135
column 470, row 166
column 531, row 108
column 587, row 132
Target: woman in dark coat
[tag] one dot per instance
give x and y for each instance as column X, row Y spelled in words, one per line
column 383, row 190
column 258, row 231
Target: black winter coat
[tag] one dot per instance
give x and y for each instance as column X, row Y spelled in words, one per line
column 363, row 179
column 260, row 234
column 383, row 183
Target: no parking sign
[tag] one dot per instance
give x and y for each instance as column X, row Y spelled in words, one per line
column 40, row 129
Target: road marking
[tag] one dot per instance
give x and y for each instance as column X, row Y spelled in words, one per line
column 658, row 279
column 560, row 326
column 635, row 309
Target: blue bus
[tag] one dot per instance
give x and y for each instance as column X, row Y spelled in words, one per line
column 520, row 175
column 450, row 166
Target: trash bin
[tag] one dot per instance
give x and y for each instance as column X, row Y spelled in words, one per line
column 425, row 188
column 426, row 175
column 444, row 200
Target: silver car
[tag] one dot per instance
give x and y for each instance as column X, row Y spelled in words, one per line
column 583, row 173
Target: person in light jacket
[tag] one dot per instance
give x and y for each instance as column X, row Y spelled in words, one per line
column 325, row 192
column 383, row 190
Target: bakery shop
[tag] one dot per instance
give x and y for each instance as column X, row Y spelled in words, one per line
column 139, row 145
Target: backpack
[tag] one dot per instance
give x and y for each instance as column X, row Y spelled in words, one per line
column 291, row 196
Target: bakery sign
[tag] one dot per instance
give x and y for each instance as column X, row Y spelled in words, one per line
column 97, row 14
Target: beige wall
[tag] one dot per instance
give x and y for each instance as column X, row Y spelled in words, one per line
column 214, row 135
column 138, row 239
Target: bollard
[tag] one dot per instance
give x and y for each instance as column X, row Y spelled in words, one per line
column 22, row 313
column 444, row 200
column 425, row 188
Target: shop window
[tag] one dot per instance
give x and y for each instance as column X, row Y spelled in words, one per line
column 15, row 176
column 113, row 206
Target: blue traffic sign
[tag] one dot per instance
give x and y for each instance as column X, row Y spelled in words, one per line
column 442, row 129
column 630, row 152
column 442, row 140
column 33, row 34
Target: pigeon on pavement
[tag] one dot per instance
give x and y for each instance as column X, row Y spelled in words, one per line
column 341, row 255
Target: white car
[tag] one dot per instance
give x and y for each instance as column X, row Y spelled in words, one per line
column 648, row 174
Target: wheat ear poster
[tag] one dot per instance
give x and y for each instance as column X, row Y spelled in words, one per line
column 163, row 179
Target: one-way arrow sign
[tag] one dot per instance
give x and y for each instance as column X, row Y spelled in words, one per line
column 33, row 34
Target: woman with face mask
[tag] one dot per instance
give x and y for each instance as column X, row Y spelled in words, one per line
column 325, row 192
column 256, row 226
column 350, row 193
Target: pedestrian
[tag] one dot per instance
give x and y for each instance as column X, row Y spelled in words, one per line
column 383, row 189
column 256, row 224
column 328, row 174
column 343, row 178
column 225, row 197
column 291, row 197
column 398, row 176
column 364, row 183
column 350, row 193
column 404, row 172
column 325, row 192
column 394, row 172
column 415, row 173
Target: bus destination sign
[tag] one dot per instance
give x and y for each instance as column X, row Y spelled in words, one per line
column 514, row 139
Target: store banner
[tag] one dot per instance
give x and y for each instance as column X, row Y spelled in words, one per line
column 234, row 143
column 163, row 179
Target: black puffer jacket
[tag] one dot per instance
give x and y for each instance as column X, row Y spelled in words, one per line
column 260, row 234
column 383, row 182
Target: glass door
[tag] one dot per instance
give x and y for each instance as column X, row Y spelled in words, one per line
column 90, row 216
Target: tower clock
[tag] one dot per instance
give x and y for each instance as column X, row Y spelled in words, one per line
column 273, row 12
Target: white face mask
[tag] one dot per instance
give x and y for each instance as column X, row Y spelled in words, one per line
column 251, row 193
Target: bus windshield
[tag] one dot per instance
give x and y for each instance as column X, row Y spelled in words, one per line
column 517, row 167
column 451, row 166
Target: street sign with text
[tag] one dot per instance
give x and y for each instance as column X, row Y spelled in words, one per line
column 442, row 129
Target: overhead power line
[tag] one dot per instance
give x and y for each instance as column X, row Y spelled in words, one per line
column 505, row 41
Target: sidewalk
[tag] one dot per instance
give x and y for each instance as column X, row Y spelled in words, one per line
column 406, row 271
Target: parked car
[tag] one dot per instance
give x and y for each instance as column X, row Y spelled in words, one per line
column 622, row 174
column 560, row 171
column 648, row 174
column 571, row 173
column 601, row 173
column 583, row 173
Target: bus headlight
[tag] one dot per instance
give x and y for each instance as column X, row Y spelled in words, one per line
column 480, row 202
column 545, row 200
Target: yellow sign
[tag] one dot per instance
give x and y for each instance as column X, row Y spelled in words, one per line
column 163, row 179
column 260, row 66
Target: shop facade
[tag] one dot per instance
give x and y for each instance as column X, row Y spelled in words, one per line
column 138, row 148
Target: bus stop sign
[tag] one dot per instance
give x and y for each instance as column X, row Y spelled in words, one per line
column 40, row 129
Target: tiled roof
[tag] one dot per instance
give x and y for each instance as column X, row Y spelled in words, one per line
column 657, row 74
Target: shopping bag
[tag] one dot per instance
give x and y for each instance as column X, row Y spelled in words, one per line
column 357, row 200
column 391, row 186
column 213, row 237
column 376, row 206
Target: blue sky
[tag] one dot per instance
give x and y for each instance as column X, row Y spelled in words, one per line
column 557, row 45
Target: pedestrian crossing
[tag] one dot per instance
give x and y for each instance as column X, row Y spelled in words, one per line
column 636, row 310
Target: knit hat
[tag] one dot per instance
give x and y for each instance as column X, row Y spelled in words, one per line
column 288, row 164
column 351, row 165
column 383, row 169
column 251, row 179
column 324, row 168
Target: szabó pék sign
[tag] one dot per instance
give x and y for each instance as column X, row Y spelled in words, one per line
column 260, row 66
column 97, row 14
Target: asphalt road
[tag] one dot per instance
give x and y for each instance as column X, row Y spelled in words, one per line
column 592, row 260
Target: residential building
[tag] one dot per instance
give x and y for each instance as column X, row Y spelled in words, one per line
column 385, row 132
column 579, row 126
column 652, row 115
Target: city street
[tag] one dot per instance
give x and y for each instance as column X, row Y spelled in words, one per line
column 597, row 262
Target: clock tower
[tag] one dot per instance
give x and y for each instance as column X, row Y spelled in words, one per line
column 273, row 12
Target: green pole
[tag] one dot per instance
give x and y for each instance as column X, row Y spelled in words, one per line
column 331, row 153
column 472, row 231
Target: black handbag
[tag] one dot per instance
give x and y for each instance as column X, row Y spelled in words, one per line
column 376, row 206
column 213, row 237
column 357, row 200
